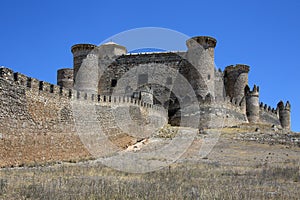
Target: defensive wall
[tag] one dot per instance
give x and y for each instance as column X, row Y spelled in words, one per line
column 37, row 123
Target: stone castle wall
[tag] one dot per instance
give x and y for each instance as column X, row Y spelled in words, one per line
column 37, row 120
column 268, row 115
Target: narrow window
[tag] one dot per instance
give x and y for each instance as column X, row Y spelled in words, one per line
column 113, row 82
column 41, row 85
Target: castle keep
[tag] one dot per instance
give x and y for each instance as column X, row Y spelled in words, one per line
column 108, row 80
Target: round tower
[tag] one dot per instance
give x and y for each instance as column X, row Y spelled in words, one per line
column 201, row 55
column 284, row 114
column 235, row 80
column 252, row 104
column 85, row 63
column 65, row 78
column 80, row 52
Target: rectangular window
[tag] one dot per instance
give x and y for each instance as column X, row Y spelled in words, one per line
column 114, row 82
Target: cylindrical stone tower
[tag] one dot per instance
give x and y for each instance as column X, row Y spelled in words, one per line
column 80, row 52
column 201, row 55
column 85, row 60
column 252, row 104
column 284, row 114
column 65, row 78
column 235, row 80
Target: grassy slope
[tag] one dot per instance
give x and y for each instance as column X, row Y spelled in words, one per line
column 234, row 169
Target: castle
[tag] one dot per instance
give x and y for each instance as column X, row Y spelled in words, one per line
column 124, row 96
column 216, row 91
column 222, row 96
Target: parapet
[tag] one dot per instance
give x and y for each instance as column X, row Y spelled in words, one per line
column 36, row 86
column 6, row 73
column 281, row 106
column 82, row 47
column 266, row 108
column 205, row 41
column 254, row 92
column 241, row 68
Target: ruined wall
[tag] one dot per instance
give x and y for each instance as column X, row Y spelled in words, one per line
column 37, row 120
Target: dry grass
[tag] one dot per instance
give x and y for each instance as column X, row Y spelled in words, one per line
column 180, row 181
column 233, row 170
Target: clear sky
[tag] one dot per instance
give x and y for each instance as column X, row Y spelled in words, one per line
column 36, row 36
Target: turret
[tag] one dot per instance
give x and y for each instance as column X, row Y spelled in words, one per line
column 252, row 104
column 85, row 67
column 201, row 55
column 235, row 80
column 65, row 78
column 284, row 112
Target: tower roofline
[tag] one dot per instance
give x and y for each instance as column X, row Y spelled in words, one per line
column 77, row 47
column 238, row 67
column 205, row 41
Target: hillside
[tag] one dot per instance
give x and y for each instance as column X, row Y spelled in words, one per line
column 247, row 162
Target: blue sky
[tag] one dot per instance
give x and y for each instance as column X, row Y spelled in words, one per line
column 36, row 36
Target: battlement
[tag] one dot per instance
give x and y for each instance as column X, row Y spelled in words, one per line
column 253, row 92
column 267, row 108
column 33, row 84
column 38, row 86
column 209, row 100
column 6, row 73
column 205, row 41
column 281, row 106
column 111, row 100
column 82, row 47
column 240, row 68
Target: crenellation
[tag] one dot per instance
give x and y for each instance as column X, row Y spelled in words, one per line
column 56, row 90
column 7, row 74
column 20, row 79
column 265, row 107
column 45, row 86
column 34, row 84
